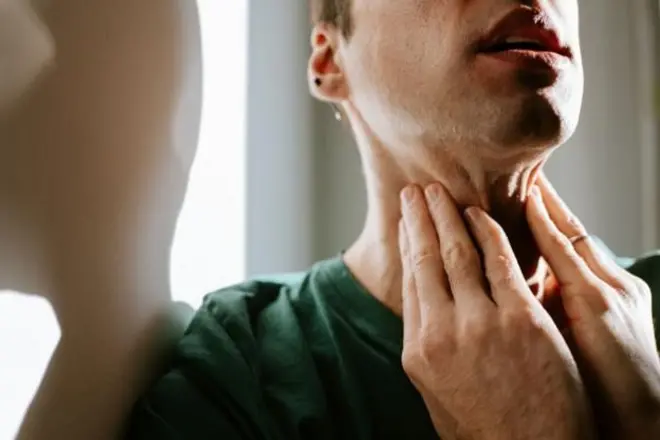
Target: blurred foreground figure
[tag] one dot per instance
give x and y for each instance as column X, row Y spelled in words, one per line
column 27, row 49
column 94, row 161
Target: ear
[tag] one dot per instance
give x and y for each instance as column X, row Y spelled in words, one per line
column 327, row 81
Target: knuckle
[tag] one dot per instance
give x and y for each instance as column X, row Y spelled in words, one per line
column 410, row 359
column 428, row 344
column 591, row 287
column 575, row 225
column 421, row 258
column 476, row 326
column 595, row 290
column 434, row 343
column 601, row 297
column 560, row 242
column 459, row 254
column 626, row 288
column 622, row 291
column 641, row 289
column 583, row 282
column 517, row 318
column 502, row 272
column 598, row 300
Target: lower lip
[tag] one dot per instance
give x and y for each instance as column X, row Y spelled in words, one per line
column 529, row 59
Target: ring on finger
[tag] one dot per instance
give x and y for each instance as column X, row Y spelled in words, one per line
column 578, row 238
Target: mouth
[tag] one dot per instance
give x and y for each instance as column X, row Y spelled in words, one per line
column 525, row 31
column 522, row 44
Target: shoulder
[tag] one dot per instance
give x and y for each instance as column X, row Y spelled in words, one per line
column 223, row 341
column 236, row 304
column 211, row 385
column 224, row 333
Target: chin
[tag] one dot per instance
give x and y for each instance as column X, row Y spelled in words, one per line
column 539, row 123
column 532, row 110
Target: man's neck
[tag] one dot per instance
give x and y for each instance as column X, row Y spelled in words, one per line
column 374, row 257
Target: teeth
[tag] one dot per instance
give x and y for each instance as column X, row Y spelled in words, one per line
column 518, row 40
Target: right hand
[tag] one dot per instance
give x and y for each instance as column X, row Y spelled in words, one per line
column 609, row 317
column 479, row 347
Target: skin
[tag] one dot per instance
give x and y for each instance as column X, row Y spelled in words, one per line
column 403, row 63
column 426, row 110
column 609, row 318
column 482, row 351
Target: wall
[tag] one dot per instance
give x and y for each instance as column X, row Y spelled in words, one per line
column 280, row 128
column 599, row 172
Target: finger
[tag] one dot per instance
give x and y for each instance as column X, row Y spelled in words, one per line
column 424, row 259
column 410, row 302
column 571, row 226
column 558, row 212
column 460, row 258
column 603, row 266
column 507, row 282
column 569, row 268
column 580, row 287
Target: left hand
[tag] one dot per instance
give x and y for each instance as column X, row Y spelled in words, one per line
column 609, row 318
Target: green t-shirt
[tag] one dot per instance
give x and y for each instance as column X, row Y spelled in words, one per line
column 308, row 357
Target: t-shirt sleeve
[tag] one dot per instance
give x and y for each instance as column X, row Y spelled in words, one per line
column 174, row 409
column 212, row 387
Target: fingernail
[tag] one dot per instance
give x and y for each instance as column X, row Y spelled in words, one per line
column 536, row 192
column 432, row 191
column 408, row 194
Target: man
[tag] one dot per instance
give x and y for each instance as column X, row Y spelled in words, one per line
column 473, row 305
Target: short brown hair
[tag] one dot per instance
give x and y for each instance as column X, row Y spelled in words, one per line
column 335, row 12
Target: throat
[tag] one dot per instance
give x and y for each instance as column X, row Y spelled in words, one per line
column 479, row 176
column 375, row 261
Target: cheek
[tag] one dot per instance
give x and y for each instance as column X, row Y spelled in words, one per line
column 399, row 64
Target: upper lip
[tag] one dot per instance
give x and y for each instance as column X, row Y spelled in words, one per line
column 525, row 24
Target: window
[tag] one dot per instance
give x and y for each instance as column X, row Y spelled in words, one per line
column 26, row 348
column 209, row 245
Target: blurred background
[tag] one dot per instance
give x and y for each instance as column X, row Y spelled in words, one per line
column 276, row 183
